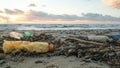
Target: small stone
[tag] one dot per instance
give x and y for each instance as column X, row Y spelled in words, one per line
column 52, row 66
column 38, row 61
column 8, row 67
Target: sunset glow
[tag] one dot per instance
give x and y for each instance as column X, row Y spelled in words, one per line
column 60, row 12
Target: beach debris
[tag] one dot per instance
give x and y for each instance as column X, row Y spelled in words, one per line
column 16, row 35
column 27, row 35
column 86, row 42
column 52, row 66
column 2, row 56
column 98, row 48
column 117, row 36
column 90, row 50
column 99, row 38
column 38, row 61
column 42, row 37
column 8, row 66
column 18, row 46
column 1, row 43
column 1, row 49
column 41, row 61
column 2, row 62
column 17, row 58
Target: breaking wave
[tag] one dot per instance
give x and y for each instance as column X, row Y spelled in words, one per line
column 57, row 26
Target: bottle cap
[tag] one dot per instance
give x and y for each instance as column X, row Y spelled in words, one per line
column 51, row 47
column 22, row 38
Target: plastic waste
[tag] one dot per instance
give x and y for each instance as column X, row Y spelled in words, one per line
column 2, row 62
column 16, row 35
column 117, row 36
column 99, row 38
column 2, row 56
column 27, row 34
column 16, row 46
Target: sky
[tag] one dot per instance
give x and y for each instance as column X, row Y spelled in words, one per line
column 60, row 12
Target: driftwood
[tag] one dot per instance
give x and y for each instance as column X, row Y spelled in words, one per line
column 87, row 42
column 76, row 47
column 67, row 47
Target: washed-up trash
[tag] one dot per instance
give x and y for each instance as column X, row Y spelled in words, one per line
column 0, row 43
column 99, row 38
column 117, row 36
column 92, row 49
column 2, row 56
column 17, row 46
column 1, row 50
column 17, row 58
column 54, row 65
column 27, row 34
column 39, row 61
column 16, row 35
column 8, row 66
column 2, row 62
column 86, row 42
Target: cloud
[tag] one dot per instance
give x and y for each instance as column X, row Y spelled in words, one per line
column 13, row 12
column 99, row 17
column 37, row 16
column 44, row 5
column 1, row 11
column 4, row 19
column 32, row 5
column 112, row 3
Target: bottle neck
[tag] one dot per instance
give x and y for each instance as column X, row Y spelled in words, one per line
column 51, row 47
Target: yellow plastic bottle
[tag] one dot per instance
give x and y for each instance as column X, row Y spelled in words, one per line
column 17, row 46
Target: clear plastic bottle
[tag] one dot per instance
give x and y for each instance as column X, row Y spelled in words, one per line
column 16, row 35
column 100, row 38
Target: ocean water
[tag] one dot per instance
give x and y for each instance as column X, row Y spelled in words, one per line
column 57, row 26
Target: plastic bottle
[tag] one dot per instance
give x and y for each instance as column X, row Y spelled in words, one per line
column 27, row 34
column 31, row 47
column 99, row 38
column 117, row 36
column 16, row 35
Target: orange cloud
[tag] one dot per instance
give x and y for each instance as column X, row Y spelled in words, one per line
column 4, row 19
column 63, row 22
column 112, row 3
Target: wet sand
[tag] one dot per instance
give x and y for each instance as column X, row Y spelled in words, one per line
column 54, row 62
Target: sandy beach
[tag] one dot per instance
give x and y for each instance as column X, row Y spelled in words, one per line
column 56, row 61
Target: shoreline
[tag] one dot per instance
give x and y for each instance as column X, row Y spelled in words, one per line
column 42, row 29
column 67, row 32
